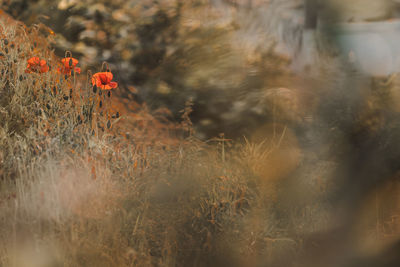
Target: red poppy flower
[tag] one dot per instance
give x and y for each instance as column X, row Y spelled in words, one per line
column 69, row 64
column 103, row 80
column 37, row 65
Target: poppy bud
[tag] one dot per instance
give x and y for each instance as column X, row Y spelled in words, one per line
column 100, row 104
column 47, row 106
column 70, row 62
column 21, row 78
column 109, row 94
column 5, row 41
column 108, row 124
column 94, row 88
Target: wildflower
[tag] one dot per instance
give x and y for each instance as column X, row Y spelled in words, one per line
column 69, row 65
column 103, row 80
column 37, row 65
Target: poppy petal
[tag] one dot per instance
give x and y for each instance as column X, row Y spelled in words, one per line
column 109, row 74
column 113, row 84
column 101, row 77
column 44, row 68
column 98, row 83
column 33, row 61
